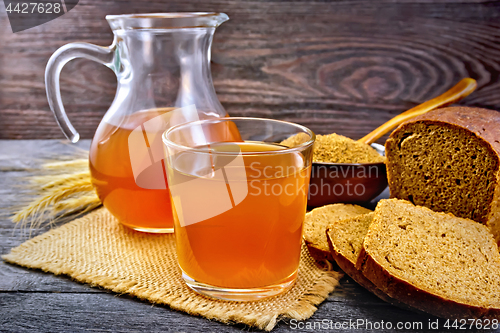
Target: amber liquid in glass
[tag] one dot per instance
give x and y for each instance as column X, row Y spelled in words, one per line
column 257, row 242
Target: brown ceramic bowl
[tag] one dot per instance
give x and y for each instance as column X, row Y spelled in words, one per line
column 347, row 182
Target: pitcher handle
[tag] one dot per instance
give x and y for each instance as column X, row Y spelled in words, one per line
column 66, row 53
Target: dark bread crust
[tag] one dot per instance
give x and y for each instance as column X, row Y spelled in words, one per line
column 318, row 254
column 418, row 298
column 482, row 123
column 350, row 269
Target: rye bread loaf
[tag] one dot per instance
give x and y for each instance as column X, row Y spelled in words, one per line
column 435, row 262
column 449, row 160
column 318, row 219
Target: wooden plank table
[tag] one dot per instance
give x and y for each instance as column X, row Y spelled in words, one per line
column 34, row 301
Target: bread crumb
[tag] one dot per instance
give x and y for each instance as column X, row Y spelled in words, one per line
column 334, row 148
column 295, row 140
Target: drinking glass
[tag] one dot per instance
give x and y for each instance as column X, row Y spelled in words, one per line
column 239, row 201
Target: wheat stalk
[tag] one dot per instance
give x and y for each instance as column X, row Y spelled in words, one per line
column 62, row 188
column 81, row 163
column 54, row 181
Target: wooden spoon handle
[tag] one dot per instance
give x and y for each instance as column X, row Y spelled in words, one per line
column 456, row 93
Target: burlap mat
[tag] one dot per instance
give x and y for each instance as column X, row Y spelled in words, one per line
column 98, row 250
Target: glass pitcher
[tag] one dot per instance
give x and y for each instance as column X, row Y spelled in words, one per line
column 162, row 64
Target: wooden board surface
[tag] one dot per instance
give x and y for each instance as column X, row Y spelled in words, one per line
column 335, row 66
column 34, row 301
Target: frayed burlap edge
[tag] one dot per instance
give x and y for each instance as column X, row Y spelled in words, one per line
column 206, row 307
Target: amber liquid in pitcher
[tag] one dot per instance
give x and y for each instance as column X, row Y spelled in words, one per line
column 142, row 209
column 113, row 178
column 139, row 208
column 256, row 242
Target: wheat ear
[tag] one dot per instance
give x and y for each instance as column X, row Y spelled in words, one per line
column 59, row 194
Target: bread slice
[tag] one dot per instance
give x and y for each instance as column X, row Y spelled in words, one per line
column 435, row 262
column 345, row 238
column 449, row 161
column 316, row 222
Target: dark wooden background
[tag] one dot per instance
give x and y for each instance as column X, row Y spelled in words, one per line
column 335, row 66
